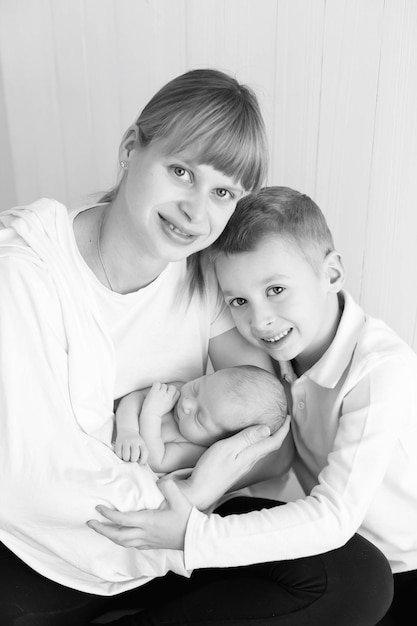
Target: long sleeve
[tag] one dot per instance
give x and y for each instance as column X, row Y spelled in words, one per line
column 56, row 384
column 369, row 462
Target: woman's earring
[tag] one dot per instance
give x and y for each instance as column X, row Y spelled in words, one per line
column 123, row 164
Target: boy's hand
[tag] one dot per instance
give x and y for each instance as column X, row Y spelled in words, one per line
column 161, row 398
column 161, row 528
column 228, row 460
column 130, row 446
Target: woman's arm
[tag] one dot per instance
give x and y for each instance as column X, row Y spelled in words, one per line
column 53, row 471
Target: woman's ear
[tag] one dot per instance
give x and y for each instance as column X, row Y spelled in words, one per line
column 335, row 271
column 129, row 142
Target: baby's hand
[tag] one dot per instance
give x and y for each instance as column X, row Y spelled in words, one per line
column 130, row 446
column 161, row 398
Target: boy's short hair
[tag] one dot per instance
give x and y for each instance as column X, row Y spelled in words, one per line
column 277, row 211
column 258, row 397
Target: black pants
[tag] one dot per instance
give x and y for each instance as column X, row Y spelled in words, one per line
column 402, row 611
column 351, row 586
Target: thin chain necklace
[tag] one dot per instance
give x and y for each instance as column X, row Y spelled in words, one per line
column 99, row 249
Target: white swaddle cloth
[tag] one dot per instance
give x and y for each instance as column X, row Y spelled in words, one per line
column 56, row 459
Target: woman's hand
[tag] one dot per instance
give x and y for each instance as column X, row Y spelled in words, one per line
column 160, row 528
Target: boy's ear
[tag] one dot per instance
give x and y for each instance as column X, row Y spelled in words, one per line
column 129, row 142
column 335, row 271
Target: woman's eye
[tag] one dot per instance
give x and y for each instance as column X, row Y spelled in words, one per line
column 275, row 291
column 181, row 172
column 223, row 193
column 236, row 302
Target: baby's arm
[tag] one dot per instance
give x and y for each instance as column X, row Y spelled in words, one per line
column 160, row 400
column 164, row 456
column 180, row 455
column 129, row 445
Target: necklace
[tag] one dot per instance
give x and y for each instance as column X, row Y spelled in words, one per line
column 99, row 249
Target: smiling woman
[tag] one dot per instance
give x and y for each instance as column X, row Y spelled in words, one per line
column 103, row 301
column 168, row 206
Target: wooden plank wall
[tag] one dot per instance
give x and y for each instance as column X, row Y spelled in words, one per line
column 337, row 81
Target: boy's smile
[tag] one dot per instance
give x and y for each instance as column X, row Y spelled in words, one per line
column 280, row 302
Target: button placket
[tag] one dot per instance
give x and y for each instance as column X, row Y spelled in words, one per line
column 298, row 396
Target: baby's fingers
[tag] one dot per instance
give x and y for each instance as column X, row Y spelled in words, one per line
column 143, row 455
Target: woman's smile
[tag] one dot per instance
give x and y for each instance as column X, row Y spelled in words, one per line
column 174, row 230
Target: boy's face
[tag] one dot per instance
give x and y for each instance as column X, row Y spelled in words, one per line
column 200, row 408
column 279, row 302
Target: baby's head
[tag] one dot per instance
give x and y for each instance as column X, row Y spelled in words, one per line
column 218, row 405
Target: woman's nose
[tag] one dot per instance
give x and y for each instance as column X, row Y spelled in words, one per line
column 194, row 206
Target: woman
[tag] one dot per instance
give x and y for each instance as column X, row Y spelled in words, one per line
column 94, row 305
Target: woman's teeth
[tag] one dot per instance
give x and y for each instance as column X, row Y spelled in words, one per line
column 277, row 337
column 177, row 230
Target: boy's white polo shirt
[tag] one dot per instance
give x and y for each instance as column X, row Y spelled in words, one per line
column 354, row 422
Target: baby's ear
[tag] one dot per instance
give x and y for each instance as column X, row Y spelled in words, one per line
column 334, row 271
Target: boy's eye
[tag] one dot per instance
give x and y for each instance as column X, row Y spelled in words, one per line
column 236, row 302
column 274, row 291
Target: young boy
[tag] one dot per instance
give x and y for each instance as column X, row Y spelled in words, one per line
column 351, row 386
column 171, row 425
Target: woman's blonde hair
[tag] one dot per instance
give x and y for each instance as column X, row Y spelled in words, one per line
column 218, row 119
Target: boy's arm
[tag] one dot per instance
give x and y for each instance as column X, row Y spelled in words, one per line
column 129, row 444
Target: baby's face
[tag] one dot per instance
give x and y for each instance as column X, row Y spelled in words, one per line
column 200, row 408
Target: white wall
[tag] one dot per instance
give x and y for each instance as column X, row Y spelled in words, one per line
column 337, row 81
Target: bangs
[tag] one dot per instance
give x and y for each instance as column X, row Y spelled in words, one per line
column 229, row 141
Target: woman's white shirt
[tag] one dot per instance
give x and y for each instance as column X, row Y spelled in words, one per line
column 69, row 347
column 157, row 334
